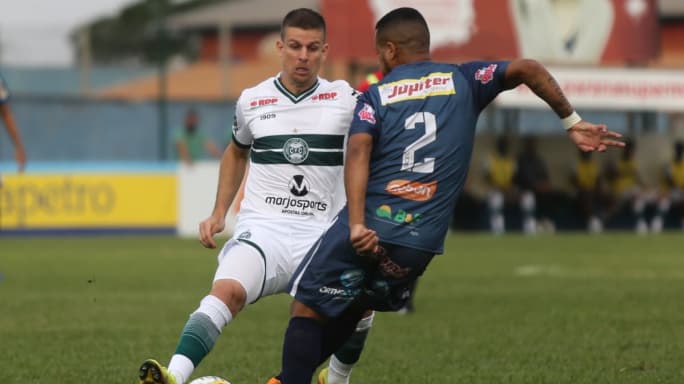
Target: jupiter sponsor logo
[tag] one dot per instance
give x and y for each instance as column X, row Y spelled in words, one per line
column 412, row 190
column 434, row 84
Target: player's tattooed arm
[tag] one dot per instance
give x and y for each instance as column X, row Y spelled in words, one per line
column 541, row 82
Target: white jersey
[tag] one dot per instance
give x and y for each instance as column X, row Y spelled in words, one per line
column 297, row 149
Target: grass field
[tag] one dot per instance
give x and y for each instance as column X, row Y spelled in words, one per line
column 552, row 309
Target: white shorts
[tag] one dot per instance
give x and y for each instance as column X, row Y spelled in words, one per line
column 263, row 254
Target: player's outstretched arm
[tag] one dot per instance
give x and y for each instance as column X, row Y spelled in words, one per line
column 586, row 136
column 231, row 172
column 13, row 131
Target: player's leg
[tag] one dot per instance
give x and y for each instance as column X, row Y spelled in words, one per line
column 527, row 206
column 662, row 208
column 330, row 279
column 495, row 203
column 638, row 207
column 239, row 279
column 343, row 360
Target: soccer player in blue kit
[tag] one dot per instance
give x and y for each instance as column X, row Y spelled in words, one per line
column 407, row 158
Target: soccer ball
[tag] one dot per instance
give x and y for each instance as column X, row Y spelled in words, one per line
column 209, row 380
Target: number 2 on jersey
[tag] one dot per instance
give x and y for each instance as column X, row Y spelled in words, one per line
column 427, row 165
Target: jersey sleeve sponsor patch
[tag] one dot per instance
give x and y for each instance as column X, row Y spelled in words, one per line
column 367, row 113
column 485, row 74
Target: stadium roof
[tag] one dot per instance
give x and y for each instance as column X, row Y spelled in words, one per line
column 239, row 13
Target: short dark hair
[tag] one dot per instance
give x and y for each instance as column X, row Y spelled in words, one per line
column 405, row 27
column 303, row 18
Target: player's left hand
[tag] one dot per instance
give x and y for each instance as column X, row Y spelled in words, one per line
column 594, row 137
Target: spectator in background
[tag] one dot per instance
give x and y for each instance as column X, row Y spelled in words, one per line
column 11, row 126
column 672, row 190
column 589, row 189
column 499, row 174
column 370, row 79
column 532, row 179
column 627, row 186
column 191, row 143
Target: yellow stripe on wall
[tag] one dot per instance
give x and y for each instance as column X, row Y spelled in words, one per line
column 88, row 200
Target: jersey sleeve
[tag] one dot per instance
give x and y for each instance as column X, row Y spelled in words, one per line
column 365, row 118
column 486, row 80
column 242, row 136
column 4, row 92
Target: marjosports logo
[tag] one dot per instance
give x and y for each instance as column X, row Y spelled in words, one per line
column 486, row 74
column 296, row 150
column 298, row 186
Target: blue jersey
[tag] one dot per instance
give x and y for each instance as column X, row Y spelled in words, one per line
column 422, row 117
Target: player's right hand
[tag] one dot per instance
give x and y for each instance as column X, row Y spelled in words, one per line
column 208, row 228
column 364, row 240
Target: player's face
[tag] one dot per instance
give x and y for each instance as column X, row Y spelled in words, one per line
column 302, row 52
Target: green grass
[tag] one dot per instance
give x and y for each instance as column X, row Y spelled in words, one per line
column 558, row 309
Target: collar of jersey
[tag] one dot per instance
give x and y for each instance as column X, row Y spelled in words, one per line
column 294, row 98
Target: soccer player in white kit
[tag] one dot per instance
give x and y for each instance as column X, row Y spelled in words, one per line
column 292, row 127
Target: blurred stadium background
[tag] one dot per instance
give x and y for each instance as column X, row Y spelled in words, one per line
column 134, row 73
column 99, row 135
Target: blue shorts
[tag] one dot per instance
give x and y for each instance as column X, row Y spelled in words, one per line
column 332, row 275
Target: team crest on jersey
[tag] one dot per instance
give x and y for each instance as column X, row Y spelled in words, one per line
column 486, row 74
column 367, row 113
column 262, row 102
column 412, row 190
column 296, row 150
column 434, row 84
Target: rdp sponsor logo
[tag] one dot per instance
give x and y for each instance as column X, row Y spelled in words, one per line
column 262, row 102
column 412, row 190
column 61, row 198
column 325, row 96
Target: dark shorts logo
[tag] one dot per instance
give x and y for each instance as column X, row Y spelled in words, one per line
column 298, row 186
column 295, row 150
column 352, row 278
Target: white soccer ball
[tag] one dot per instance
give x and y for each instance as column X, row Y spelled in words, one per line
column 210, row 380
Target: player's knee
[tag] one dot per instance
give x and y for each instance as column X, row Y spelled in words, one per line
column 232, row 293
column 300, row 309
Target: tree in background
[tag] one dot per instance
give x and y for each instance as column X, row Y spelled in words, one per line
column 136, row 35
